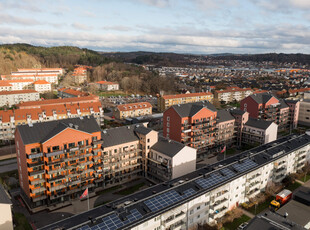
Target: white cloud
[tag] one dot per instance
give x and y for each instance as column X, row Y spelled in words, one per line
column 157, row 3
column 117, row 28
column 10, row 19
column 80, row 26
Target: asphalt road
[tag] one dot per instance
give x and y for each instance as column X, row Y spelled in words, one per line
column 8, row 165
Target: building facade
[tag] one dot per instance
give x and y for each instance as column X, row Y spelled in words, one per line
column 194, row 124
column 6, row 217
column 232, row 94
column 68, row 93
column 267, row 107
column 203, row 196
column 10, row 98
column 107, row 85
column 57, row 160
column 133, row 110
column 166, row 101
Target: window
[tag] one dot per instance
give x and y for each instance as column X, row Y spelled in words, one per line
column 148, row 140
column 168, row 130
column 168, row 118
column 55, row 148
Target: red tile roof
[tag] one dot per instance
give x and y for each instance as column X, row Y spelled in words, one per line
column 232, row 89
column 106, row 83
column 134, row 106
column 73, row 92
column 4, row 83
column 298, row 90
column 18, row 92
column 72, row 100
column 41, row 82
column 5, row 115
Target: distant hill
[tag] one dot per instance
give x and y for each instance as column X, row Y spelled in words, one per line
column 13, row 56
column 173, row 59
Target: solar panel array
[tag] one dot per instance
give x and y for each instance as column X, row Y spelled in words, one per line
column 163, row 200
column 113, row 222
column 224, row 174
column 244, row 166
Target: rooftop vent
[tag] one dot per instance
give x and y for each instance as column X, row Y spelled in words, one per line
column 70, row 125
column 76, row 126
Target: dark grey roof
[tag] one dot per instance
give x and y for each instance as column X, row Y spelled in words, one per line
column 261, row 124
column 120, row 135
column 237, row 111
column 283, row 104
column 224, row 115
column 4, row 198
column 262, row 98
column 272, row 221
column 142, row 129
column 291, row 101
column 190, row 109
column 168, row 147
column 40, row 132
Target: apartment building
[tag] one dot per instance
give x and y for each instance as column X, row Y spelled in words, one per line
column 9, row 119
column 57, row 159
column 107, row 85
column 304, row 110
column 258, row 132
column 39, row 71
column 232, row 94
column 68, row 93
column 10, row 98
column 166, row 101
column 133, row 110
column 194, row 124
column 294, row 106
column 50, row 75
column 267, row 107
column 55, row 102
column 79, row 74
column 203, row 196
column 226, row 132
column 42, row 86
column 17, row 84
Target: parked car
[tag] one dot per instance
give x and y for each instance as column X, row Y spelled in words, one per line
column 243, row 226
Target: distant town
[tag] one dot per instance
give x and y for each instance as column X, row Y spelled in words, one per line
column 148, row 146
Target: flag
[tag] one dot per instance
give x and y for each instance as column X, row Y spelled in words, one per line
column 85, row 193
column 224, row 149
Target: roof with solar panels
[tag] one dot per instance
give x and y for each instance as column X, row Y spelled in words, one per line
column 135, row 209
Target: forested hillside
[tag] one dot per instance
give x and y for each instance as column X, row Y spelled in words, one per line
column 28, row 56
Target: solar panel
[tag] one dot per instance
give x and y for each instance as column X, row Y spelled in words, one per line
column 112, row 222
column 211, row 180
column 244, row 166
column 189, row 192
column 163, row 200
column 227, row 173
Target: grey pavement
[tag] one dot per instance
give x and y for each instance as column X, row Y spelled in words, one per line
column 8, row 165
column 7, row 150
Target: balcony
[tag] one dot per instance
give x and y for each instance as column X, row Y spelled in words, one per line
column 280, row 170
column 37, row 172
column 55, row 153
column 34, row 155
column 34, row 164
column 60, row 177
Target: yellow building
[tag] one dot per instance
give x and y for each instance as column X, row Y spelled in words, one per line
column 166, row 101
column 133, row 110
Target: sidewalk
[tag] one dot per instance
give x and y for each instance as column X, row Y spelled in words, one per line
column 248, row 213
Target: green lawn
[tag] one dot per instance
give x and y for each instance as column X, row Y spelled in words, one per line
column 21, row 222
column 261, row 207
column 307, row 178
column 293, row 186
column 131, row 189
column 235, row 224
column 109, row 190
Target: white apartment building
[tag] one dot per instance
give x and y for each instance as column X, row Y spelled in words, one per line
column 203, row 196
column 42, row 86
column 107, row 86
column 15, row 97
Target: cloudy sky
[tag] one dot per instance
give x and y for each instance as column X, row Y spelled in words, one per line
column 183, row 26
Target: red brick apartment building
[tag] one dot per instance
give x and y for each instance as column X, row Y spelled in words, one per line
column 267, row 107
column 55, row 159
column 193, row 124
